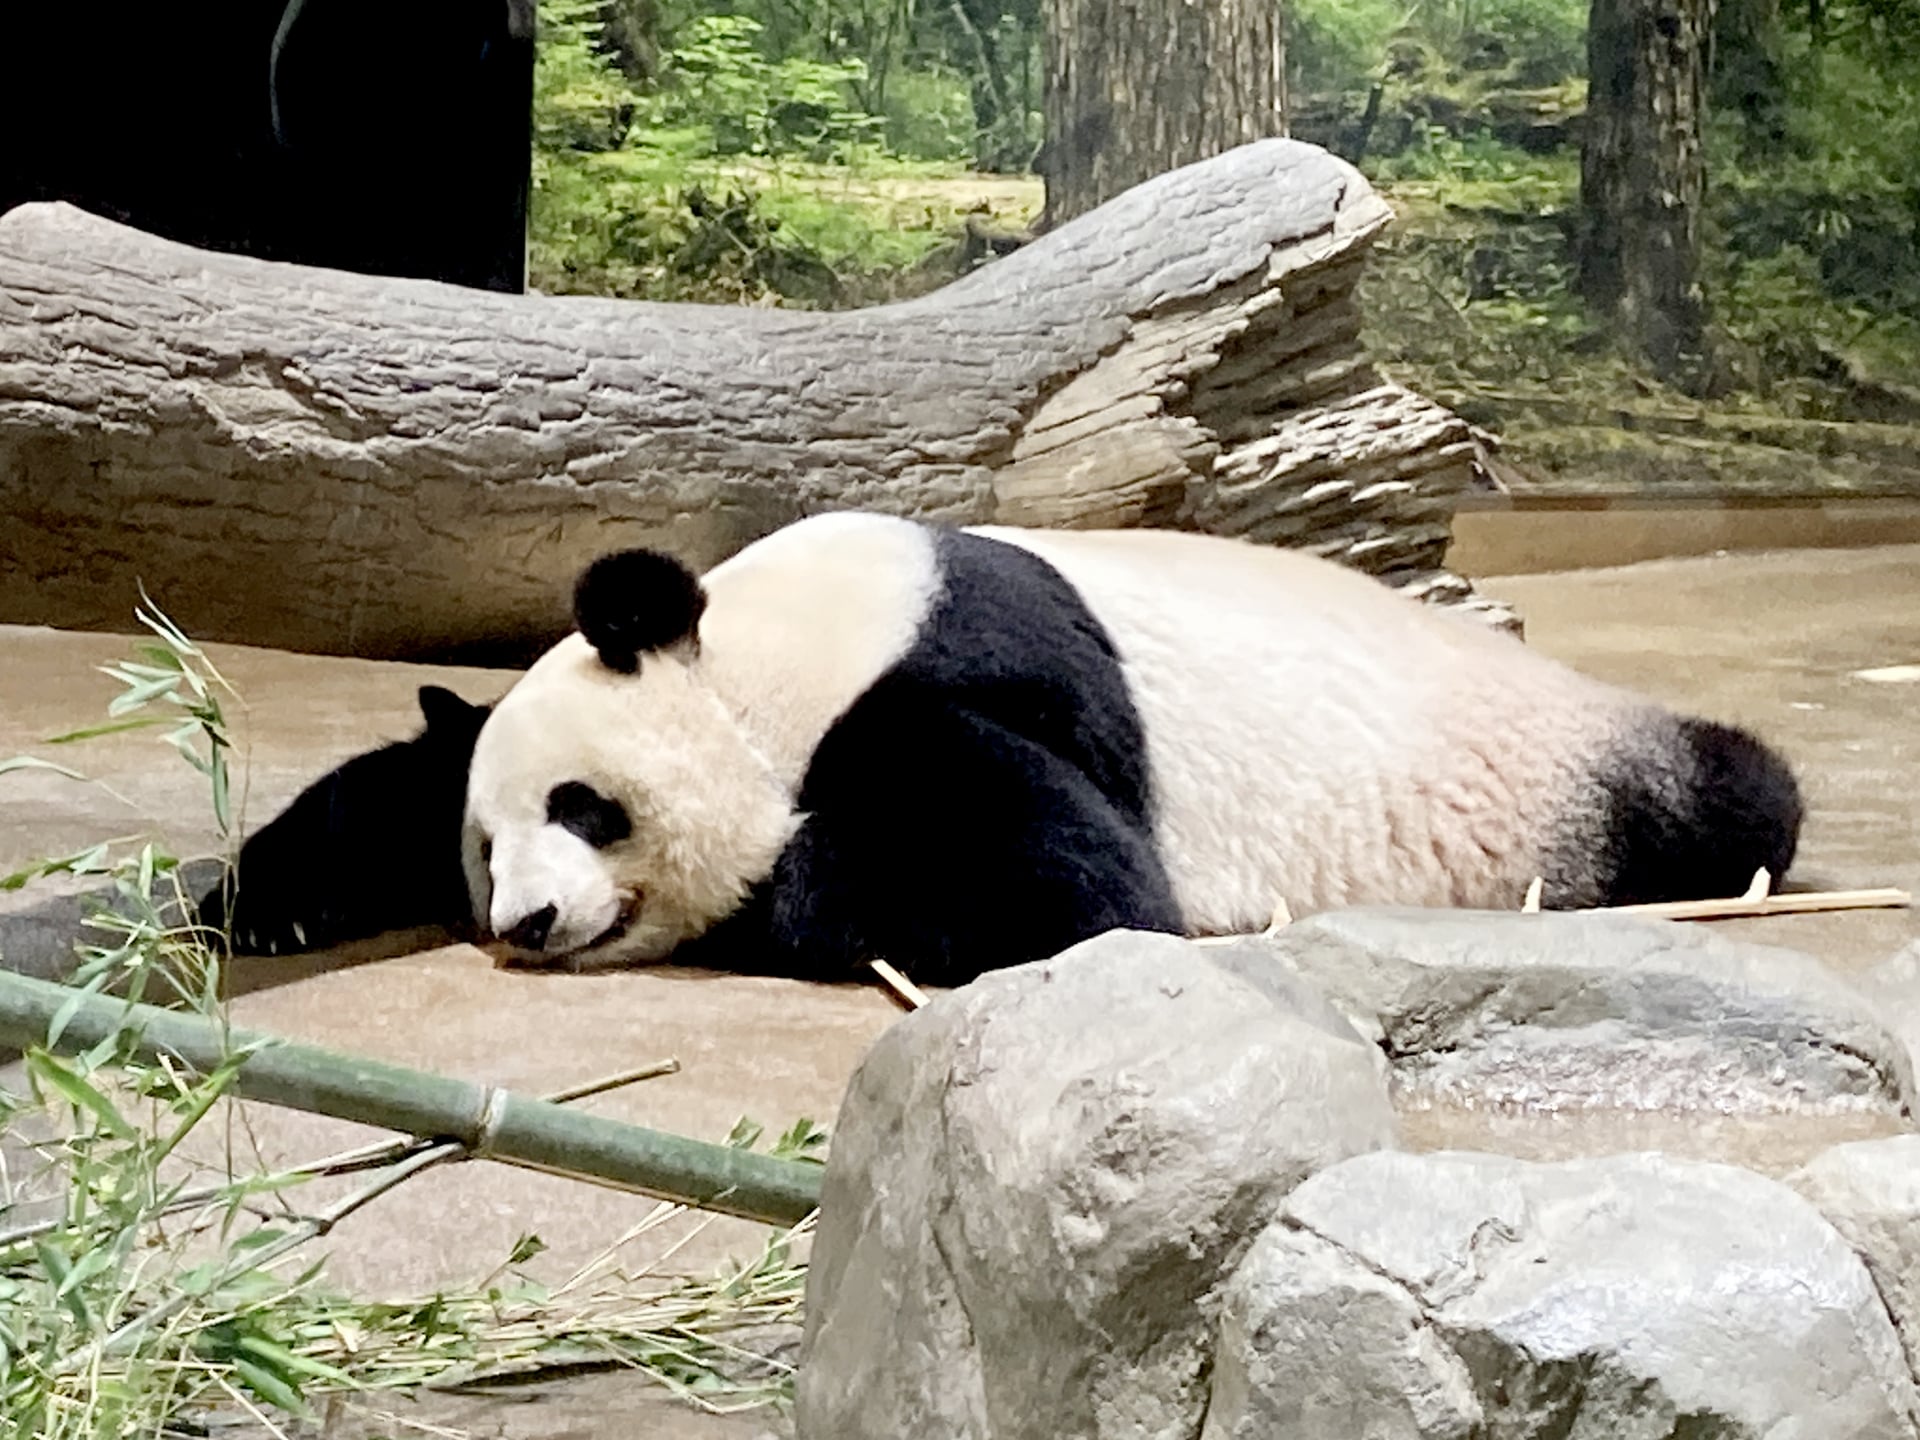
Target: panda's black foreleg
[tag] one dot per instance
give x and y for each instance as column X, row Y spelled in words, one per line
column 952, row 846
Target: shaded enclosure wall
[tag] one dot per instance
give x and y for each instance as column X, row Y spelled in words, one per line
column 356, row 134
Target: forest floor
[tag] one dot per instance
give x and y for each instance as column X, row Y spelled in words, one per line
column 1469, row 301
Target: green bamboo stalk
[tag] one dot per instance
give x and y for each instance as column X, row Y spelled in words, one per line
column 493, row 1124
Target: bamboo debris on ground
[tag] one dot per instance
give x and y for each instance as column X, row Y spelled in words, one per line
column 910, row 995
column 1757, row 900
column 492, row 1123
column 1803, row 902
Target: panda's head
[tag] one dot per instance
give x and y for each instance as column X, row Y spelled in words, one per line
column 615, row 807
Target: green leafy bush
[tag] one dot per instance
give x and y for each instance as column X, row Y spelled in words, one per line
column 1343, row 45
column 716, row 77
column 928, row 116
column 581, row 100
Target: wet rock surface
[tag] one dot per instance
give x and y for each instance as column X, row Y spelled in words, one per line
column 1039, row 1181
column 1565, row 1012
column 1624, row 1296
column 1870, row 1191
column 1314, row 1345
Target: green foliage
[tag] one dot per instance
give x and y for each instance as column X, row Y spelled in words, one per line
column 810, row 156
column 928, row 116
column 1336, row 45
column 1473, row 291
column 581, row 100
column 681, row 204
column 1816, row 238
column 718, row 79
column 1478, row 172
column 1342, row 45
column 740, row 178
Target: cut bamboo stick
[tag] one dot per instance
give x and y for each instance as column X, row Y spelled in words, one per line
column 1803, row 903
column 1754, row 901
column 494, row 1124
column 904, row 990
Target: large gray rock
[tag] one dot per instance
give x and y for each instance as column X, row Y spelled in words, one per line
column 1893, row 988
column 1633, row 1297
column 1870, row 1191
column 1038, row 1182
column 41, row 924
column 1568, row 1011
column 1315, row 1346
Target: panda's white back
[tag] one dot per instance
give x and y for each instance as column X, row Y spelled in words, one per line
column 1290, row 705
column 803, row 621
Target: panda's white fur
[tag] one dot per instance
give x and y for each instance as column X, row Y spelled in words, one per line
column 1316, row 738
column 1310, row 736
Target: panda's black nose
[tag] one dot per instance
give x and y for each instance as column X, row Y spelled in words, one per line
column 530, row 933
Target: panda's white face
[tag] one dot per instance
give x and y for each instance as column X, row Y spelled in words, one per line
column 611, row 817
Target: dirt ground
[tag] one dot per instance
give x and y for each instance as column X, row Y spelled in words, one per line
column 1778, row 641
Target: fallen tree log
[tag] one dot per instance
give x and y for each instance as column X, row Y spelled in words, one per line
column 348, row 464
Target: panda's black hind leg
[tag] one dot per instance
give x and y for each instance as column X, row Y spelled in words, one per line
column 1712, row 805
column 999, row 854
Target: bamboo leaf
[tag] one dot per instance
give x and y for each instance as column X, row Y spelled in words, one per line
column 33, row 762
column 94, row 732
column 138, row 671
column 269, row 1386
column 745, row 1134
column 182, row 738
column 222, row 801
column 155, row 619
column 75, row 1089
column 159, row 655
column 199, row 1101
column 258, row 1239
column 135, row 696
column 86, row 862
column 84, row 1269
column 56, row 1264
column 64, row 1015
column 287, row 1362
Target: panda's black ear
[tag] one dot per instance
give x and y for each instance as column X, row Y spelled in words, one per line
column 634, row 601
column 446, row 713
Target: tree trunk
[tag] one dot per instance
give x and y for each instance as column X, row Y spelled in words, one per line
column 1748, row 74
column 1136, row 87
column 1643, row 176
column 348, row 464
column 1000, row 143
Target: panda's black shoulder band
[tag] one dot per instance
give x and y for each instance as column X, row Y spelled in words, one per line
column 634, row 601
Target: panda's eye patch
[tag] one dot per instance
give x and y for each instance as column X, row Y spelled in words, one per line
column 584, row 811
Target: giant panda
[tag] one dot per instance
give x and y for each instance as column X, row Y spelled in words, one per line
column 956, row 749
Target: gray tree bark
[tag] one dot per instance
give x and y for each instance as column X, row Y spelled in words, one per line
column 1137, row 87
column 1643, row 176
column 352, row 465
